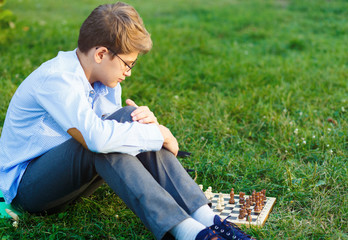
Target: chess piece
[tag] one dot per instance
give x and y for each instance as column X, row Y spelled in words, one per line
column 253, row 198
column 241, row 214
column 264, row 195
column 261, row 199
column 247, row 202
column 241, row 198
column 201, row 186
column 249, row 217
column 257, row 207
column 244, row 212
column 262, row 204
column 231, row 201
column 222, row 200
column 257, row 197
column 218, row 206
column 208, row 194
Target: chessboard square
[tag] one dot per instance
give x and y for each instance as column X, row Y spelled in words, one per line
column 232, row 218
column 226, row 212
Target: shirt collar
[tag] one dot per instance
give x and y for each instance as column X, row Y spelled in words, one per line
column 100, row 89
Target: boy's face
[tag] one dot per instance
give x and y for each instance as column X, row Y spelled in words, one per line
column 112, row 71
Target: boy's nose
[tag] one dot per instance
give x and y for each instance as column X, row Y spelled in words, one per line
column 128, row 73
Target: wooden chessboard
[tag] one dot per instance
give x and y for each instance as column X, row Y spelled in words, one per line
column 232, row 210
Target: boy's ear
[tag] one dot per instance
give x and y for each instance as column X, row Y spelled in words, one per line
column 99, row 54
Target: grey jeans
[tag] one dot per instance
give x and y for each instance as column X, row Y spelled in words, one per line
column 154, row 185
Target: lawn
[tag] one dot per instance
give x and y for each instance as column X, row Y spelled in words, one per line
column 256, row 90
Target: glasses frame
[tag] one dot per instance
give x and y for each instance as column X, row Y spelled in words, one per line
column 129, row 67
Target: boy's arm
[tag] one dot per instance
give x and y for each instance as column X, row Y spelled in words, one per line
column 170, row 141
column 77, row 135
column 67, row 104
column 144, row 115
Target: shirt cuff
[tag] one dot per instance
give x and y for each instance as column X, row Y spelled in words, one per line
column 154, row 139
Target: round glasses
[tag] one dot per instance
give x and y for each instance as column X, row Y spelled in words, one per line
column 127, row 65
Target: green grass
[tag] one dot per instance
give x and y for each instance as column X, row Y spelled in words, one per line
column 233, row 80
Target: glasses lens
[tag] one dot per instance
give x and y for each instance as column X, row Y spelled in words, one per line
column 131, row 65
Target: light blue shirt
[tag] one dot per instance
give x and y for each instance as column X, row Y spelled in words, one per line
column 54, row 98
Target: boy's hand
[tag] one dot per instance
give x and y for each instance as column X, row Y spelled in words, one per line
column 170, row 142
column 142, row 114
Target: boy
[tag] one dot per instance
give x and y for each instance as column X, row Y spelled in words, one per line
column 65, row 133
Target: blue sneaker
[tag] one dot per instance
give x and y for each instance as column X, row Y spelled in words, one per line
column 229, row 230
column 208, row 234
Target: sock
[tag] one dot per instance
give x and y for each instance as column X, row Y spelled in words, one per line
column 204, row 215
column 187, row 229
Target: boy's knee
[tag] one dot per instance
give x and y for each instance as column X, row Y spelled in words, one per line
column 123, row 114
column 129, row 109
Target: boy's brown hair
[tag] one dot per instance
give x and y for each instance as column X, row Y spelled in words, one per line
column 115, row 26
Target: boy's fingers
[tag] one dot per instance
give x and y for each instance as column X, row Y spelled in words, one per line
column 141, row 112
column 147, row 120
column 146, row 117
column 138, row 115
column 130, row 102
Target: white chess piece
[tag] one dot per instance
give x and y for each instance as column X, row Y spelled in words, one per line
column 201, row 186
column 218, row 206
column 210, row 195
column 221, row 198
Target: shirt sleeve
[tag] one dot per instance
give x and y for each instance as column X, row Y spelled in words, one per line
column 64, row 98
